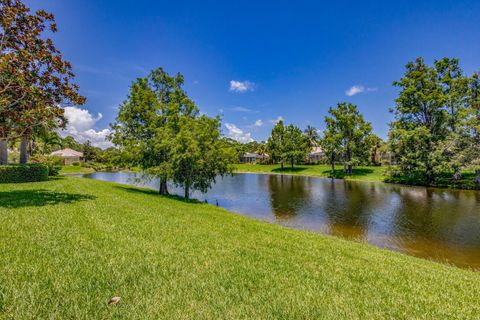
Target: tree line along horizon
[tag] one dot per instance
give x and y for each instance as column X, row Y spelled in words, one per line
column 159, row 129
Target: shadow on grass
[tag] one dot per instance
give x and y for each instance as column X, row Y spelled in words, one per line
column 289, row 170
column 56, row 178
column 38, row 198
column 155, row 193
column 339, row 173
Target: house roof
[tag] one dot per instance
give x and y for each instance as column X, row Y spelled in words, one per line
column 67, row 153
column 316, row 150
column 255, row 155
column 250, row 155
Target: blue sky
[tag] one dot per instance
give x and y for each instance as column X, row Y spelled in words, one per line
column 289, row 59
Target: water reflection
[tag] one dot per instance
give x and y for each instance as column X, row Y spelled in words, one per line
column 287, row 195
column 443, row 225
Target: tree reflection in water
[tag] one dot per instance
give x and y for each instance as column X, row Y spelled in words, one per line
column 432, row 223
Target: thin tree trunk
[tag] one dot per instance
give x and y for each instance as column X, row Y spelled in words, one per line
column 477, row 178
column 349, row 157
column 3, row 152
column 281, row 163
column 332, row 163
column 163, row 190
column 429, row 174
column 292, row 164
column 187, row 190
column 24, row 149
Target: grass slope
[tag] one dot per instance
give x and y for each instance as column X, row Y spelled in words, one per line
column 67, row 246
column 75, row 169
column 359, row 173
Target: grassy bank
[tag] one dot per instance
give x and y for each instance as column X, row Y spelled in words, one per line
column 67, row 246
column 359, row 173
column 75, row 169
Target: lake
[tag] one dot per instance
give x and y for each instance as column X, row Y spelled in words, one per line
column 437, row 224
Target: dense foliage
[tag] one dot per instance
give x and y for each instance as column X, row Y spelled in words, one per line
column 158, row 128
column 287, row 144
column 35, row 80
column 437, row 121
column 347, row 136
column 23, row 173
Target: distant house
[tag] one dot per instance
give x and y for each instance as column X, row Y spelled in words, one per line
column 253, row 157
column 316, row 154
column 69, row 156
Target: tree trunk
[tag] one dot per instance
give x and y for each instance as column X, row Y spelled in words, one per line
column 163, row 190
column 429, row 175
column 477, row 176
column 24, row 149
column 292, row 164
column 281, row 163
column 3, row 152
column 332, row 163
column 187, row 190
column 349, row 159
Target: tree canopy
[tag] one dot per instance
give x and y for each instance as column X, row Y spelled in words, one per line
column 347, row 135
column 158, row 128
column 35, row 80
column 435, row 119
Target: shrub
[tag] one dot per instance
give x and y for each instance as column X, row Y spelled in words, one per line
column 75, row 163
column 23, row 173
column 53, row 163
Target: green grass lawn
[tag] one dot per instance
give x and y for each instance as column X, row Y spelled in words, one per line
column 68, row 245
column 75, row 169
column 359, row 173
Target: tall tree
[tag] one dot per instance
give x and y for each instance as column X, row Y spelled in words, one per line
column 349, row 132
column 35, row 80
column 198, row 154
column 276, row 143
column 145, row 120
column 420, row 118
column 330, row 142
column 149, row 121
column 296, row 145
column 430, row 130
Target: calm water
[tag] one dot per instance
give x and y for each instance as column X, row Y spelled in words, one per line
column 442, row 225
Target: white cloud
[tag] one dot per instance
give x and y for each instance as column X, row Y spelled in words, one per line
column 237, row 134
column 80, row 126
column 356, row 89
column 241, row 86
column 258, row 123
column 274, row 121
column 242, row 109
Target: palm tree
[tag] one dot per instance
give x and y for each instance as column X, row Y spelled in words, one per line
column 311, row 134
column 49, row 139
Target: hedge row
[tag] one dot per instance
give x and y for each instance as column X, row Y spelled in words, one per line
column 17, row 173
